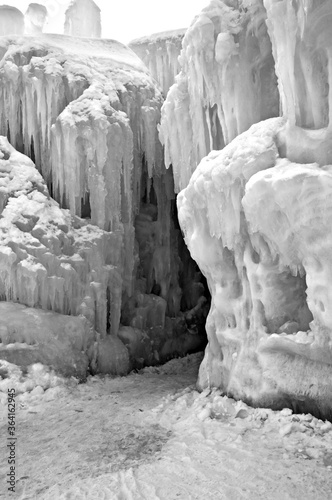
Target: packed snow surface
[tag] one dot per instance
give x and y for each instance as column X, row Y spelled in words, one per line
column 152, row 436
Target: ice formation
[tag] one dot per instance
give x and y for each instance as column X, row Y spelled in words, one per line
column 227, row 83
column 29, row 336
column 160, row 53
column 35, row 19
column 51, row 259
column 11, row 21
column 256, row 217
column 117, row 256
column 82, row 18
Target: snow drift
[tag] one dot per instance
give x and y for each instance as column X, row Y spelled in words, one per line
column 256, row 218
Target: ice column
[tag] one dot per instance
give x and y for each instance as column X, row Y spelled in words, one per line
column 301, row 37
column 227, row 83
column 83, row 19
column 160, row 53
column 35, row 19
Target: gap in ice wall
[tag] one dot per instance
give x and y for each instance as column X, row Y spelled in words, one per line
column 227, row 82
column 160, row 53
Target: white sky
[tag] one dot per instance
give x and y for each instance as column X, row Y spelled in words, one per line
column 125, row 20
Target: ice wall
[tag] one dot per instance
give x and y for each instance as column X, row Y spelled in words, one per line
column 11, row 21
column 256, row 218
column 160, row 53
column 35, row 19
column 90, row 124
column 82, row 18
column 227, row 82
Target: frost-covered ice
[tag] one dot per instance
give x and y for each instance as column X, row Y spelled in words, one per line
column 227, row 82
column 35, row 19
column 11, row 21
column 74, row 125
column 82, row 18
column 160, row 53
column 49, row 258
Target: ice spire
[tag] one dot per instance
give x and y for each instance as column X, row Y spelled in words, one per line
column 11, row 21
column 35, row 19
column 83, row 19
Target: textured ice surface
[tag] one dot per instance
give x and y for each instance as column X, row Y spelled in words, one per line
column 258, row 226
column 82, row 18
column 160, row 53
column 302, row 31
column 71, row 107
column 227, row 82
column 11, row 21
column 256, row 218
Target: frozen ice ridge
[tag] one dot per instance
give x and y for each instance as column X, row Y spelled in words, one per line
column 257, row 214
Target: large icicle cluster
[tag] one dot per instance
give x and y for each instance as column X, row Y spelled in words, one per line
column 302, row 30
column 226, row 84
column 87, row 122
column 82, row 18
column 35, row 19
column 86, row 111
column 257, row 220
column 160, row 53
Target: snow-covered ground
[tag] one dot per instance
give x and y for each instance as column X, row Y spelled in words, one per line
column 151, row 436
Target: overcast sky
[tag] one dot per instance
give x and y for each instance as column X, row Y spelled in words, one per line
column 124, row 20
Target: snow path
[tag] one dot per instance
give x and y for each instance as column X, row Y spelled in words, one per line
column 151, row 436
